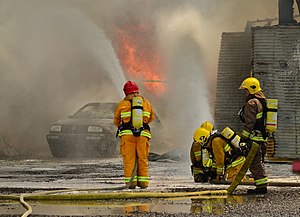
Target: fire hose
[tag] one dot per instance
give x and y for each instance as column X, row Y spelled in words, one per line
column 47, row 193
column 56, row 195
column 53, row 195
column 254, row 148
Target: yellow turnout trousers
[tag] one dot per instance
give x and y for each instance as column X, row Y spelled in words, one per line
column 132, row 147
column 232, row 171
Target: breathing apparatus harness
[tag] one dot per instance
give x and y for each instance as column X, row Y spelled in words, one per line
column 136, row 131
column 260, row 124
column 207, row 163
column 234, row 153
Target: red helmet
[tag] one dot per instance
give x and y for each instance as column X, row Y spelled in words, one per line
column 130, row 87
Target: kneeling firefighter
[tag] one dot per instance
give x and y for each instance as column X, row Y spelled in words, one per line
column 253, row 115
column 202, row 163
column 132, row 117
column 208, row 125
column 227, row 156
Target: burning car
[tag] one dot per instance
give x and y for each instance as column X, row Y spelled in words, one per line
column 89, row 132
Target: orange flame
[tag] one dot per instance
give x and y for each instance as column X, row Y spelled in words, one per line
column 139, row 58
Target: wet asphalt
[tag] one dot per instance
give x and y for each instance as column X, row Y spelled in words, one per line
column 37, row 175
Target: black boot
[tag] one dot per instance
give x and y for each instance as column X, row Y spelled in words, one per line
column 258, row 191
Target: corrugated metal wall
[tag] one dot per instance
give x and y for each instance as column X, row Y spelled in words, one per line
column 276, row 58
column 274, row 53
column 233, row 67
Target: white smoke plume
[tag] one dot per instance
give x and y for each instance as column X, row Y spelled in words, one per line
column 56, row 55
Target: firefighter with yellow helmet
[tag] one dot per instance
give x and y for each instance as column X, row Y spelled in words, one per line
column 201, row 158
column 207, row 125
column 132, row 116
column 214, row 155
column 253, row 116
column 228, row 155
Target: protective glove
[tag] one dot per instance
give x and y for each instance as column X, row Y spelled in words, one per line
column 218, row 179
column 244, row 145
column 212, row 175
column 200, row 177
column 244, row 140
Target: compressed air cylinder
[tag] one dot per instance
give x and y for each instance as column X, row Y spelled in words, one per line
column 137, row 112
column 231, row 136
column 206, row 161
column 271, row 121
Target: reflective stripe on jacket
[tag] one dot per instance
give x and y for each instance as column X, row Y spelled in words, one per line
column 122, row 114
column 197, row 161
column 222, row 155
column 218, row 144
column 253, row 114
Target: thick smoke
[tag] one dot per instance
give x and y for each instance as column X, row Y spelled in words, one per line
column 57, row 55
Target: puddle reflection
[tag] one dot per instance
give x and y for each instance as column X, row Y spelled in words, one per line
column 129, row 210
column 214, row 205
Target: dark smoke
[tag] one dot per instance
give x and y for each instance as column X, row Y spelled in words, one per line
column 57, row 55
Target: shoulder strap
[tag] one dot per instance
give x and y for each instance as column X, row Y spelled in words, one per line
column 262, row 101
column 264, row 116
column 131, row 107
column 215, row 135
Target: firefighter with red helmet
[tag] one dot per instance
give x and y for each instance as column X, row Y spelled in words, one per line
column 132, row 116
column 253, row 115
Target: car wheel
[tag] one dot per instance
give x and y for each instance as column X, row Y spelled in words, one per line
column 109, row 149
column 58, row 151
column 101, row 151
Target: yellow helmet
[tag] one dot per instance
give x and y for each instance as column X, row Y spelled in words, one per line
column 251, row 84
column 207, row 125
column 201, row 135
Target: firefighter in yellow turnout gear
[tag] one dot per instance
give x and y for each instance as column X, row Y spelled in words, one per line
column 221, row 161
column 253, row 115
column 229, row 158
column 201, row 158
column 132, row 116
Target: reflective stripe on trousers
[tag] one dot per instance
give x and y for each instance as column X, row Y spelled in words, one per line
column 262, row 181
column 132, row 147
column 237, row 162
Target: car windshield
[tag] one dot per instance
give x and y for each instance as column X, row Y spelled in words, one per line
column 96, row 110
